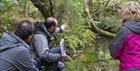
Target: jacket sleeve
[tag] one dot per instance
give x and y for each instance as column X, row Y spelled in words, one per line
column 117, row 44
column 41, row 46
column 24, row 61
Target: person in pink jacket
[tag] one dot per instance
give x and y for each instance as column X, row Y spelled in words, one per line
column 126, row 44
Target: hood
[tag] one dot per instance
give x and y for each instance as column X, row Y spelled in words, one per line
column 133, row 25
column 39, row 26
column 9, row 41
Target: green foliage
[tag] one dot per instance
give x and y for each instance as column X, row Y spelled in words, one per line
column 6, row 22
column 80, row 39
column 75, row 65
column 77, row 34
column 6, row 7
column 107, row 23
column 81, row 62
column 12, row 10
column 107, row 13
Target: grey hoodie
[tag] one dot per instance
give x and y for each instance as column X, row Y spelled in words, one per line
column 43, row 45
column 14, row 55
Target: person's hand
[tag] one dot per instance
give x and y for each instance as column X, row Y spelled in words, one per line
column 63, row 26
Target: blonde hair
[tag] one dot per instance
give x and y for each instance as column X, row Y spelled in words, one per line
column 131, row 11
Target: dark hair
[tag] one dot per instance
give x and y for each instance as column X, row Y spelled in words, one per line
column 50, row 21
column 24, row 29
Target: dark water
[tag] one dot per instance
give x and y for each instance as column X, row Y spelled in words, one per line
column 96, row 58
column 104, row 62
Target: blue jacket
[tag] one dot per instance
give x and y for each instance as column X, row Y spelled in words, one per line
column 14, row 55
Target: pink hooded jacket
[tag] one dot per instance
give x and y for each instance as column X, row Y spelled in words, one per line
column 126, row 46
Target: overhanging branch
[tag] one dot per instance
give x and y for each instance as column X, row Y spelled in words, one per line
column 106, row 33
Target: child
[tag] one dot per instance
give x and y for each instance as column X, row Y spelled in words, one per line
column 126, row 45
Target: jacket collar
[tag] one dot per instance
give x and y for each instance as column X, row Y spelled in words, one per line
column 41, row 27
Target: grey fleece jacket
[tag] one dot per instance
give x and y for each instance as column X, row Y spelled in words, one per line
column 14, row 55
column 40, row 43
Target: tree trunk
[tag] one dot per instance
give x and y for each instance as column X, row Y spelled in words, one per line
column 43, row 7
column 51, row 8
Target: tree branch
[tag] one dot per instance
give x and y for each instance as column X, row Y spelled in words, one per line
column 51, row 7
column 93, row 22
column 105, row 7
column 41, row 6
column 25, row 9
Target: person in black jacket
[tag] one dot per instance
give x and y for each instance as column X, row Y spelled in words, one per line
column 43, row 44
